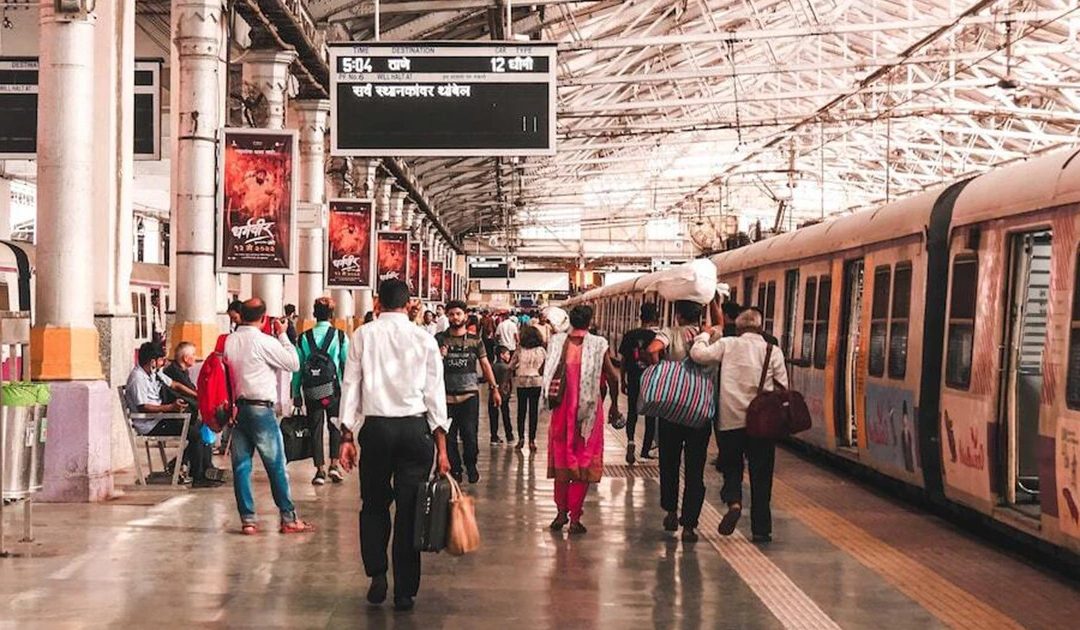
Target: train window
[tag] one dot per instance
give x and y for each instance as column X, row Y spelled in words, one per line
column 879, row 320
column 769, row 307
column 748, row 289
column 898, row 326
column 807, row 351
column 1072, row 386
column 761, row 296
column 791, row 296
column 734, row 297
column 821, row 325
column 961, row 332
column 5, row 299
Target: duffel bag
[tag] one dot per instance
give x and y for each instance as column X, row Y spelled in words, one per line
column 678, row 391
column 776, row 414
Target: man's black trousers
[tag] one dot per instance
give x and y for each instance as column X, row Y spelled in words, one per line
column 396, row 456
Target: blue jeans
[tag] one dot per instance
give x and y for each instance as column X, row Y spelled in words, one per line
column 257, row 429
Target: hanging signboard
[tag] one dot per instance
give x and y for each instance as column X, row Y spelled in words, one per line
column 442, row 98
column 19, row 108
column 257, row 201
column 491, row 267
column 391, row 256
column 349, row 249
column 414, row 268
column 436, row 292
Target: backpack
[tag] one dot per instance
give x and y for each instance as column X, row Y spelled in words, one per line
column 215, row 389
column 319, row 375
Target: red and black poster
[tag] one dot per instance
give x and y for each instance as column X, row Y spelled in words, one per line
column 425, row 273
column 448, row 285
column 436, row 294
column 414, row 269
column 391, row 256
column 257, row 204
column 349, row 248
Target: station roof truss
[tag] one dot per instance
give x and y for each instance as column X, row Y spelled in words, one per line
column 780, row 110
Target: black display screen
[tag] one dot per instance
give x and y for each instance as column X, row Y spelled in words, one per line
column 443, row 99
column 18, row 109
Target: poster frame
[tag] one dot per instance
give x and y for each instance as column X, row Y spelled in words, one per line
column 425, row 272
column 441, row 297
column 375, row 253
column 327, row 249
column 292, row 257
column 415, row 291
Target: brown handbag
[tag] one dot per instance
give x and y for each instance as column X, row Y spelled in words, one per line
column 777, row 414
column 463, row 535
column 557, row 387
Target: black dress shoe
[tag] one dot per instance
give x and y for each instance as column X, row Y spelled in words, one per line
column 671, row 522
column 376, row 593
column 403, row 603
column 474, row 475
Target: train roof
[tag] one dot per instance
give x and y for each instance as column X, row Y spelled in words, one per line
column 1044, row 182
column 644, row 282
column 899, row 219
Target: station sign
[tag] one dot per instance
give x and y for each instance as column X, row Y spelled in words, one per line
column 442, row 99
column 491, row 267
column 19, row 108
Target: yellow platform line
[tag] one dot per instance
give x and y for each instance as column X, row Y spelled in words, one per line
column 952, row 605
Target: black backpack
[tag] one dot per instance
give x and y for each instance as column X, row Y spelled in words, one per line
column 319, row 374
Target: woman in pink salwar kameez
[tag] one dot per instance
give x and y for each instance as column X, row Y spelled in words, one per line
column 576, row 434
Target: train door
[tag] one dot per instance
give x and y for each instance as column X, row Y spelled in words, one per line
column 1022, row 377
column 850, row 326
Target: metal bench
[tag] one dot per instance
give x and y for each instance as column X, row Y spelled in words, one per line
column 169, row 430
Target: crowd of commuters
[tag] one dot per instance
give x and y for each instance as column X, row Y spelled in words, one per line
column 402, row 394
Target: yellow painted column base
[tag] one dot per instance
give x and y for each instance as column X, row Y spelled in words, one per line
column 64, row 354
column 204, row 335
column 304, row 325
column 344, row 324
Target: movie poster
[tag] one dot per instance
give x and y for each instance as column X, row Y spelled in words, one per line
column 391, row 256
column 257, row 203
column 425, row 273
column 448, row 284
column 436, row 294
column 414, row 269
column 349, row 250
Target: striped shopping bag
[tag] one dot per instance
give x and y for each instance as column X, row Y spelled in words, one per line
column 678, row 391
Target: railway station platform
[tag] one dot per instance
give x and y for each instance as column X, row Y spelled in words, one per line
column 843, row 556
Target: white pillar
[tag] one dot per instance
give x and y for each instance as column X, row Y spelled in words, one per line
column 397, row 210
column 344, row 309
column 383, row 188
column 311, row 118
column 198, row 33
column 267, row 72
column 365, row 301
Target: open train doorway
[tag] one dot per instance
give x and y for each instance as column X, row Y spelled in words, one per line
column 847, row 376
column 1022, row 377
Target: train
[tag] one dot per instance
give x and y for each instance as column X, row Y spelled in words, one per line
column 936, row 340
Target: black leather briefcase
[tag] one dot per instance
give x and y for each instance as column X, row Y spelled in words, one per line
column 432, row 515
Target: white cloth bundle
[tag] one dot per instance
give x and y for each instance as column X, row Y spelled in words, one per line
column 695, row 282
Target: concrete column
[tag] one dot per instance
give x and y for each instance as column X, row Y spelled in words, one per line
column 311, row 119
column 198, row 33
column 365, row 302
column 344, row 309
column 111, row 247
column 397, row 210
column 63, row 340
column 383, row 187
column 266, row 73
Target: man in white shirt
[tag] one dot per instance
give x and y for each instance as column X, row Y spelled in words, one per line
column 254, row 359
column 507, row 333
column 442, row 322
column 394, row 399
column 742, row 360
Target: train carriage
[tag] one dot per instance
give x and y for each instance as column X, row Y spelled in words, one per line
column 936, row 339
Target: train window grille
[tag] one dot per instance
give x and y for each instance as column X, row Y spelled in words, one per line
column 1072, row 386
column 898, row 322
column 879, row 320
column 821, row 324
column 960, row 343
column 791, row 297
column 809, row 303
column 769, row 307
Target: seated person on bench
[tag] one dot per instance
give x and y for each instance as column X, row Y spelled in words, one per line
column 198, row 454
column 143, row 393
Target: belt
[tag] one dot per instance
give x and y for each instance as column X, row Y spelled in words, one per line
column 420, row 416
column 244, row 402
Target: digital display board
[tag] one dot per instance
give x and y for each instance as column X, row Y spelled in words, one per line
column 442, row 99
column 490, row 267
column 19, row 99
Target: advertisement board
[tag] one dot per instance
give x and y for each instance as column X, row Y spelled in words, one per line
column 391, row 256
column 349, row 249
column 414, row 268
